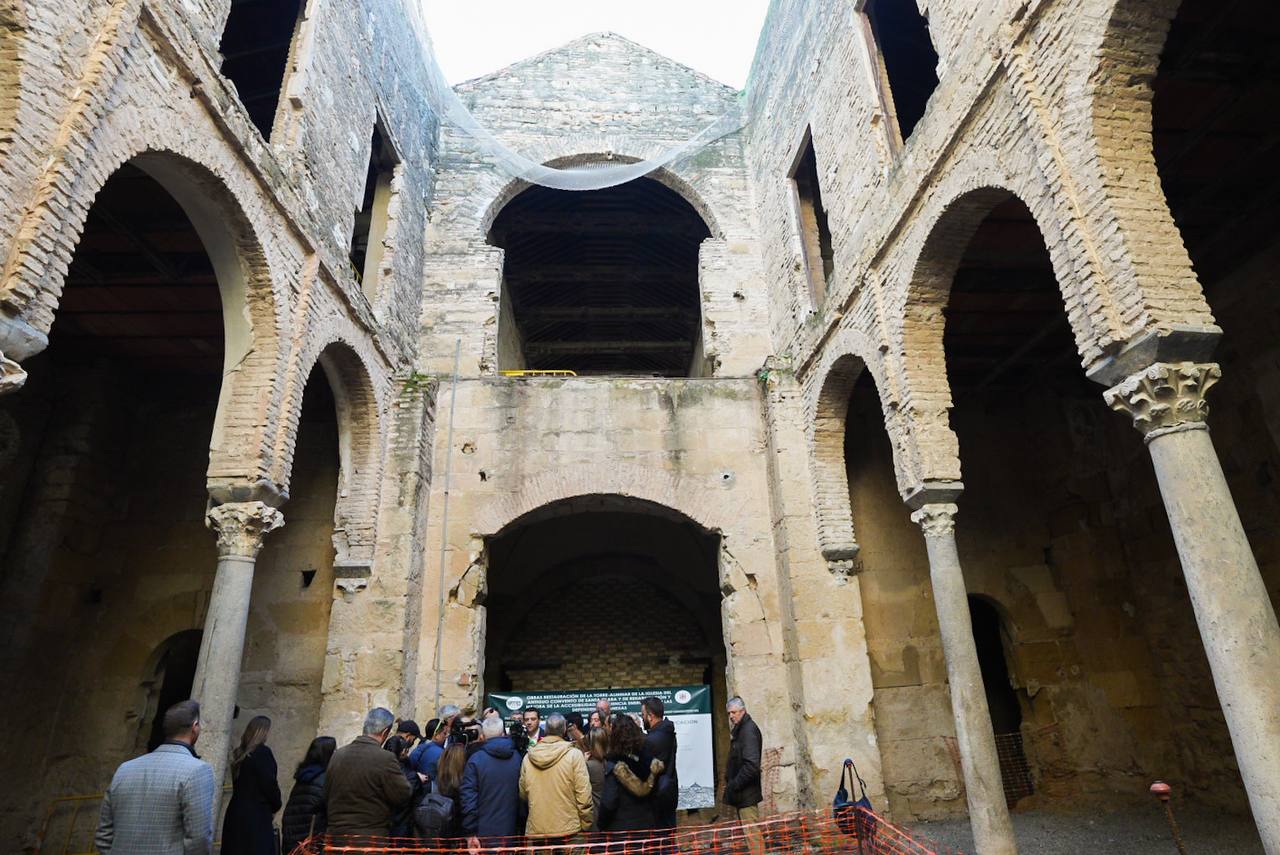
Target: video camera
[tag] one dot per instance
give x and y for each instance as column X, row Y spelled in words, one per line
column 519, row 737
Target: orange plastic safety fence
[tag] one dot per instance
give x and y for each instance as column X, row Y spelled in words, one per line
column 860, row 833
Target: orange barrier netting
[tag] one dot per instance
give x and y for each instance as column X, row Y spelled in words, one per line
column 860, row 833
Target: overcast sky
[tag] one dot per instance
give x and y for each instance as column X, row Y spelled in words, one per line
column 474, row 37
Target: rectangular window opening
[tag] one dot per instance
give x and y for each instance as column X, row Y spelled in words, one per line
column 369, row 237
column 255, row 49
column 906, row 58
column 811, row 217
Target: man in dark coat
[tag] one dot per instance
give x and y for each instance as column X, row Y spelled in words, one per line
column 742, row 790
column 363, row 785
column 660, row 744
column 490, row 791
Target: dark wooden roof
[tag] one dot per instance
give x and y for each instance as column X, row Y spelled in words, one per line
column 605, row 281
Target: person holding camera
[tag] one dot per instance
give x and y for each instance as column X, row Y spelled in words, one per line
column 490, row 791
column 427, row 755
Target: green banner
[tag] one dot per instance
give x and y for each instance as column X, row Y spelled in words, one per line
column 688, row 707
column 677, row 700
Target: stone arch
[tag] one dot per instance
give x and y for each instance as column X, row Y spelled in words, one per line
column 1124, row 57
column 665, row 490
column 360, row 444
column 201, row 175
column 926, row 390
column 493, row 207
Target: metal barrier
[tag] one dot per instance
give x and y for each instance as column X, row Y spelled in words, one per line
column 77, row 803
column 814, row 833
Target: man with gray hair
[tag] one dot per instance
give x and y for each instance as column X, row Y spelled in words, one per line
column 364, row 787
column 555, row 783
column 742, row 790
column 490, row 791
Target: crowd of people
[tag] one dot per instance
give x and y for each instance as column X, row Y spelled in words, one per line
column 464, row 782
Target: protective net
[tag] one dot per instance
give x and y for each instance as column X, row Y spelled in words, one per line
column 446, row 104
column 861, row 832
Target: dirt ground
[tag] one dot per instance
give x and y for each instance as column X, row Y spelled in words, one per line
column 1131, row 832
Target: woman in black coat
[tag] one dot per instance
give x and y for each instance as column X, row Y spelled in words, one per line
column 627, row 801
column 255, row 794
column 305, row 815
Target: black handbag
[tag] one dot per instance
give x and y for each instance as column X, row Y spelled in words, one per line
column 845, row 809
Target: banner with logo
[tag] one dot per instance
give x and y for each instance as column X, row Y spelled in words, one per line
column 688, row 707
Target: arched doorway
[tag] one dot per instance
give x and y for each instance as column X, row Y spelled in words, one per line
column 908, row 666
column 103, row 543
column 606, row 592
column 601, row 282
column 293, row 585
column 168, row 682
column 1002, row 701
column 1215, row 139
column 1036, row 530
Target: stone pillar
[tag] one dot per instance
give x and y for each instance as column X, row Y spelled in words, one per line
column 984, row 790
column 241, row 528
column 1237, row 621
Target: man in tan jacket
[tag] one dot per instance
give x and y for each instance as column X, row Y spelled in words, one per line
column 554, row 781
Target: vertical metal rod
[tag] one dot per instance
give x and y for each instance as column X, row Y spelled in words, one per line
column 444, row 517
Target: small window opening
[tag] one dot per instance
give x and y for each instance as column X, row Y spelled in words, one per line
column 308, row 576
column 908, row 63
column 368, row 239
column 255, row 52
column 811, row 216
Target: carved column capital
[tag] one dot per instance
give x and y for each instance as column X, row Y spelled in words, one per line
column 1165, row 397
column 936, row 520
column 12, row 375
column 242, row 526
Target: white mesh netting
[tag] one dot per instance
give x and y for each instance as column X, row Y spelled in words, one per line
column 447, row 105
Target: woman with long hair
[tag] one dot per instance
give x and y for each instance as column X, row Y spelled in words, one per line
column 304, row 814
column 626, row 803
column 255, row 794
column 448, row 783
column 597, row 753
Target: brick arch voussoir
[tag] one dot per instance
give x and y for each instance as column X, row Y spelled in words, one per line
column 937, row 248
column 1157, row 287
column 361, row 394
column 692, row 499
column 183, row 160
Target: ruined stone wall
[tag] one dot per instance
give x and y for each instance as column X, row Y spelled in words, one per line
column 1044, row 100
column 597, row 98
column 90, row 86
column 115, row 519
column 693, row 447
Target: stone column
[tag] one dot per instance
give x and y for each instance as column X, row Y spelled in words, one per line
column 984, row 790
column 1237, row 621
column 241, row 528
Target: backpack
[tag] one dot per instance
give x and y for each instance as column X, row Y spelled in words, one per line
column 434, row 817
column 846, row 810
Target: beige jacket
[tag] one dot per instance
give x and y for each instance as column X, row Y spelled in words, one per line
column 554, row 781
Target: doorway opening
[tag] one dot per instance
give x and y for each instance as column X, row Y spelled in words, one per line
column 606, row 592
column 1002, row 701
column 171, row 680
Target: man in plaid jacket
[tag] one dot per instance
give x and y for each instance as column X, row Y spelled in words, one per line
column 162, row 803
